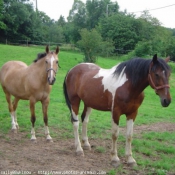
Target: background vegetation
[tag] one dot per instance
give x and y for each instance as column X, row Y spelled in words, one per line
column 120, row 31
column 154, row 151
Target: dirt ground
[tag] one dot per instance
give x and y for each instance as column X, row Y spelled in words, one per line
column 19, row 155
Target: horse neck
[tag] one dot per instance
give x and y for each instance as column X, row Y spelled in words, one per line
column 38, row 70
column 140, row 86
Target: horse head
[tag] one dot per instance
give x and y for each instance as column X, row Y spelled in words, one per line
column 51, row 64
column 158, row 77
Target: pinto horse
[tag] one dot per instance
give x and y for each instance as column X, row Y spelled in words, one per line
column 31, row 83
column 119, row 90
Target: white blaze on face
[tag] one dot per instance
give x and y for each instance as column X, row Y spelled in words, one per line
column 110, row 81
column 51, row 61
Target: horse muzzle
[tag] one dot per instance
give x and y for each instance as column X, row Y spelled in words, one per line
column 51, row 81
column 165, row 102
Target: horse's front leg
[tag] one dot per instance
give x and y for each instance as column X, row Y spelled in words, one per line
column 45, row 104
column 12, row 111
column 15, row 104
column 129, row 133
column 115, row 161
column 33, row 119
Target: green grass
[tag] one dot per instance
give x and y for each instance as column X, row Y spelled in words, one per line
column 153, row 151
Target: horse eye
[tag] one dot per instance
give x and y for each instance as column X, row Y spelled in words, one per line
column 46, row 62
column 57, row 61
column 157, row 75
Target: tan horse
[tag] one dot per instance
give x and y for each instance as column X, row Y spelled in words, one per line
column 31, row 83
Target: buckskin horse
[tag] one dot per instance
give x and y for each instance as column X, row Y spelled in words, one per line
column 31, row 83
column 119, row 90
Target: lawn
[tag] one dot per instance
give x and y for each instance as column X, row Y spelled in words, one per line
column 146, row 145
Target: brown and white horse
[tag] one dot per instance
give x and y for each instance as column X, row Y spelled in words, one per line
column 119, row 90
column 31, row 83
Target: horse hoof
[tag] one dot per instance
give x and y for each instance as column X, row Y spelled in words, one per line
column 87, row 147
column 133, row 164
column 115, row 164
column 49, row 140
column 14, row 131
column 33, row 140
column 80, row 153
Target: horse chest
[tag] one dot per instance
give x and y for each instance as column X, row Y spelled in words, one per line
column 129, row 105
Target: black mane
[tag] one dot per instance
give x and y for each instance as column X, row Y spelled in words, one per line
column 39, row 56
column 138, row 68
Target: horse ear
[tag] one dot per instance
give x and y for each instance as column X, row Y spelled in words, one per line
column 154, row 60
column 167, row 59
column 57, row 50
column 47, row 49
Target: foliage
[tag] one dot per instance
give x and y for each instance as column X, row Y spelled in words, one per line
column 121, row 32
column 90, row 44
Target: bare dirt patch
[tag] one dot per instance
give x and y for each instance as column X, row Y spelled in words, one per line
column 18, row 153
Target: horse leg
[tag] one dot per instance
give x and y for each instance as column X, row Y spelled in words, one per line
column 33, row 119
column 15, row 104
column 115, row 161
column 129, row 134
column 85, row 120
column 45, row 104
column 11, row 110
column 74, row 111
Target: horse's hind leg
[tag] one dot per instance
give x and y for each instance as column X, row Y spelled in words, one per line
column 74, row 110
column 45, row 104
column 85, row 120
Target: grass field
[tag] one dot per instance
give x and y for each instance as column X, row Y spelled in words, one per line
column 147, row 147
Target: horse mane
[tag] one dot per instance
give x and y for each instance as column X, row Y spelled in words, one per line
column 138, row 68
column 39, row 56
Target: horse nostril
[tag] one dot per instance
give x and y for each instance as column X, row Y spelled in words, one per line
column 166, row 102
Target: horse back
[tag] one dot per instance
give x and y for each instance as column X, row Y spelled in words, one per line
column 10, row 70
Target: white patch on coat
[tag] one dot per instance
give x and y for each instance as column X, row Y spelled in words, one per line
column 110, row 81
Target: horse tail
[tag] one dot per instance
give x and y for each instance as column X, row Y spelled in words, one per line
column 66, row 95
column 67, row 100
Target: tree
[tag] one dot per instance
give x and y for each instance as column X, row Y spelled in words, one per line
column 97, row 9
column 2, row 25
column 17, row 17
column 77, row 19
column 90, row 44
column 120, row 28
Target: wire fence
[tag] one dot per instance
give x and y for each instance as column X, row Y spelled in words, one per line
column 28, row 42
